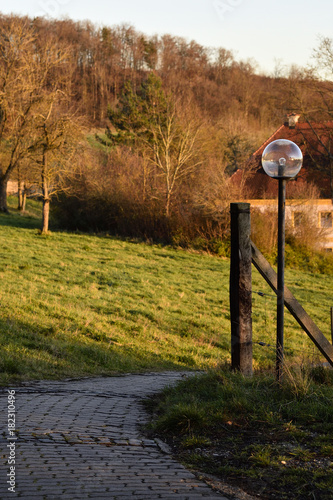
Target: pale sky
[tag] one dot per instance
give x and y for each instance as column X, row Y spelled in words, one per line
column 264, row 30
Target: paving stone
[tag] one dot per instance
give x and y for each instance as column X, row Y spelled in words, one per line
column 81, row 439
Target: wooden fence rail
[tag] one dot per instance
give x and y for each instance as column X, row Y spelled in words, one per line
column 293, row 306
column 243, row 254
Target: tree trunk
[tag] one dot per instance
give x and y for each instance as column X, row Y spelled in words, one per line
column 46, row 215
column 24, row 198
column 46, row 199
column 19, row 196
column 167, row 204
column 3, row 195
column 19, row 189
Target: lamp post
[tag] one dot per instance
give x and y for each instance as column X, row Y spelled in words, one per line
column 282, row 160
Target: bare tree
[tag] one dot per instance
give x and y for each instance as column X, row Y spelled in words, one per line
column 56, row 136
column 173, row 151
column 27, row 78
column 168, row 139
column 16, row 96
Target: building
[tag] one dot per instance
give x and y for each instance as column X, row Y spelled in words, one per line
column 316, row 143
column 12, row 188
column 319, row 212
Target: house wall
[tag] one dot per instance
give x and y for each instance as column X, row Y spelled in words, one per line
column 30, row 189
column 12, row 187
column 319, row 211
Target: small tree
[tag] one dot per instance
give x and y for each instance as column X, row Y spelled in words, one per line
column 27, row 83
column 17, row 94
column 56, row 135
column 151, row 122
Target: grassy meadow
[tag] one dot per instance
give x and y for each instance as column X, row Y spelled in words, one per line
column 77, row 305
column 74, row 305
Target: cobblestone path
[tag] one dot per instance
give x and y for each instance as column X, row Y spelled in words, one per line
column 81, row 439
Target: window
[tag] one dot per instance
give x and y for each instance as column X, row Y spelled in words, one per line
column 298, row 219
column 326, row 219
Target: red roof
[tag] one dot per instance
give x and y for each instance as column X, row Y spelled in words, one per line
column 311, row 134
column 315, row 141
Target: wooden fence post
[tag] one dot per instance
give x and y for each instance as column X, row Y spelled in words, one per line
column 241, row 288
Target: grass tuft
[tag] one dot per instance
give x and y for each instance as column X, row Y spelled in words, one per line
column 253, row 433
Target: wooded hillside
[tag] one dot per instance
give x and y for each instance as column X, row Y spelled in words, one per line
column 142, row 133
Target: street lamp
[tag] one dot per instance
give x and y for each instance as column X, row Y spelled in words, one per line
column 282, row 160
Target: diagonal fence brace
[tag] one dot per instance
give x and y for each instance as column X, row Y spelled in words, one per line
column 293, row 306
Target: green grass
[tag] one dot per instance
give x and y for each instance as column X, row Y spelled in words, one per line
column 269, row 440
column 74, row 305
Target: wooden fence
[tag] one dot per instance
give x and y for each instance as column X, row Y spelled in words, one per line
column 243, row 254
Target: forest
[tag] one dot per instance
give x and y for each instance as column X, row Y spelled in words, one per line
column 136, row 135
